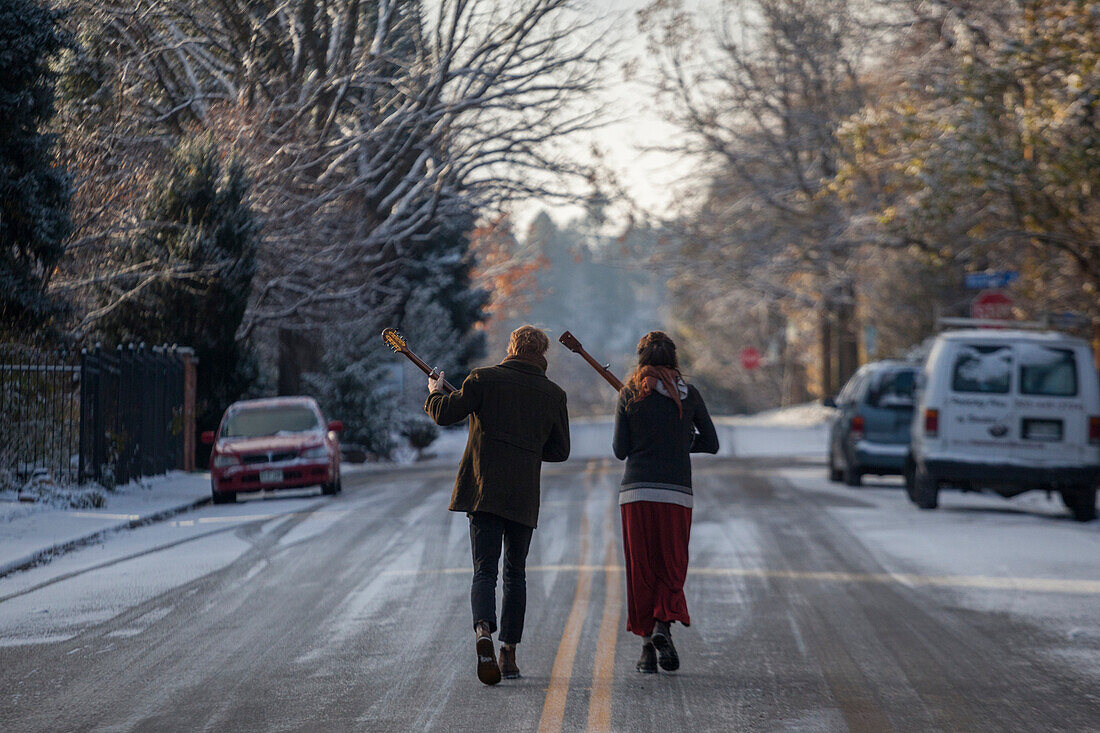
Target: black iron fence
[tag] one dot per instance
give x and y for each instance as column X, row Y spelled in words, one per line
column 106, row 415
column 39, row 414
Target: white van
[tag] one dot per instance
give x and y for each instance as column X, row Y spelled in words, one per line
column 1009, row 411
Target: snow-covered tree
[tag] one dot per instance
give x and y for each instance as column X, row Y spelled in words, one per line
column 370, row 127
column 201, row 242
column 34, row 186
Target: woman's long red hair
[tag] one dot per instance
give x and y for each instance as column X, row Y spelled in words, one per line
column 657, row 363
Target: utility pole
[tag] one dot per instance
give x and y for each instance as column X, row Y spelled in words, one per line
column 826, row 349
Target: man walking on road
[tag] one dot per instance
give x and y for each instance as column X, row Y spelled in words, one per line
column 518, row 419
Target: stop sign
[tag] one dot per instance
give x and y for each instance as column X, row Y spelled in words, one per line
column 750, row 358
column 992, row 305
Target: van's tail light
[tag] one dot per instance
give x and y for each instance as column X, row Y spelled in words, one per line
column 856, row 427
column 931, row 423
column 1094, row 430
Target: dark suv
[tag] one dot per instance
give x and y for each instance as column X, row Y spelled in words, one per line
column 870, row 432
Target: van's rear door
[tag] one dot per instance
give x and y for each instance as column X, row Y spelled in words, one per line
column 1050, row 404
column 978, row 419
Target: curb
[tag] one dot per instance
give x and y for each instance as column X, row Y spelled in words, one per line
column 40, row 557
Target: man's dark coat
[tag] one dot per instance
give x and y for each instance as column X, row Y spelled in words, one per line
column 518, row 419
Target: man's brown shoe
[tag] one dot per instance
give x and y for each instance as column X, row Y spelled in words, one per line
column 508, row 666
column 487, row 669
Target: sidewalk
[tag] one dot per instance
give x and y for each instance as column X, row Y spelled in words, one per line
column 31, row 533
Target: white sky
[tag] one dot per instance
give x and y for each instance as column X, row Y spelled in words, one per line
column 649, row 177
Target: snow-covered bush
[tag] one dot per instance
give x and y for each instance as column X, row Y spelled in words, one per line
column 420, row 431
column 42, row 488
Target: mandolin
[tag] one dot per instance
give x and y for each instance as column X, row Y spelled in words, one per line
column 397, row 342
column 570, row 342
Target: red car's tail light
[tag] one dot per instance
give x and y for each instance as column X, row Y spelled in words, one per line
column 1094, row 430
column 931, row 423
column 856, row 427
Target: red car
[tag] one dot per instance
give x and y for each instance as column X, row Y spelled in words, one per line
column 277, row 443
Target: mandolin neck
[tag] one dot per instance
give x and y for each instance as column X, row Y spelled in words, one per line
column 447, row 386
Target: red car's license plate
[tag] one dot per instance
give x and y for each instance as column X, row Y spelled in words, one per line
column 272, row 476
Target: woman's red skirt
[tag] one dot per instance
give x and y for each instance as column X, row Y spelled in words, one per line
column 655, row 542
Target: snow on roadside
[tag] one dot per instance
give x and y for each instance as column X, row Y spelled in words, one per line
column 28, row 535
column 799, row 430
column 39, row 496
column 806, row 415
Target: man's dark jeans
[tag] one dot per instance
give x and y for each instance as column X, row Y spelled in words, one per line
column 487, row 533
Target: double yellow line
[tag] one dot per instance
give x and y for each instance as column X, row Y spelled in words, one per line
column 603, row 672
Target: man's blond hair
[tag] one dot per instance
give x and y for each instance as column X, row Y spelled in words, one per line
column 529, row 342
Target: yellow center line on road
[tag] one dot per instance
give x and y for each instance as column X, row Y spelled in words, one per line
column 603, row 673
column 553, row 707
column 980, row 582
column 557, row 692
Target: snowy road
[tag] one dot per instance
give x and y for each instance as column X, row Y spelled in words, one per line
column 815, row 607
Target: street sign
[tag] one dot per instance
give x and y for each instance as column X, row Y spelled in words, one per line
column 987, row 280
column 870, row 340
column 750, row 358
column 1067, row 320
column 992, row 305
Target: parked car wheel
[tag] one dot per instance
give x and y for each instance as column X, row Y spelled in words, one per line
column 926, row 489
column 834, row 472
column 1081, row 502
column 222, row 497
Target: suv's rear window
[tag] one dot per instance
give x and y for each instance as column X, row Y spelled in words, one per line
column 893, row 389
column 986, row 369
column 257, row 421
column 1047, row 372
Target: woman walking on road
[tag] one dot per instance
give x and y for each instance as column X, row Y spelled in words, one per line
column 659, row 421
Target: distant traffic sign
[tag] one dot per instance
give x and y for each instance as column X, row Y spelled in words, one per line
column 992, row 305
column 750, row 358
column 986, row 280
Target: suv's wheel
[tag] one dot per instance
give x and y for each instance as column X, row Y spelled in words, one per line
column 926, row 488
column 834, row 472
column 1081, row 502
column 852, row 475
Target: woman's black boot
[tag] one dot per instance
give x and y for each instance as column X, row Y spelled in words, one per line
column 648, row 662
column 666, row 652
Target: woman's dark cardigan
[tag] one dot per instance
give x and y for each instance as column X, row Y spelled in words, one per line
column 657, row 442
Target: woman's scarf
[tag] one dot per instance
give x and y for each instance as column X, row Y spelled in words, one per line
column 646, row 379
